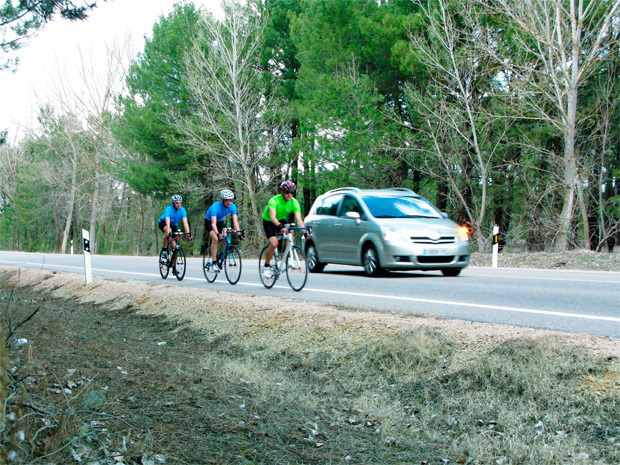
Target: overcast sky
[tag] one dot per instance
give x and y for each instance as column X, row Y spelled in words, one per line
column 58, row 46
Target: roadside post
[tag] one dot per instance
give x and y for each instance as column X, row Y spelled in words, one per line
column 71, row 246
column 495, row 245
column 87, row 268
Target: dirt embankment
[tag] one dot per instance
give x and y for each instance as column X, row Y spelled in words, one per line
column 122, row 371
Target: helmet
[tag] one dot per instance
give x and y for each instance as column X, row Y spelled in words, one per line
column 176, row 198
column 288, row 186
column 227, row 194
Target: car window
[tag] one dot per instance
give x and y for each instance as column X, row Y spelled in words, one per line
column 349, row 204
column 329, row 206
column 401, row 207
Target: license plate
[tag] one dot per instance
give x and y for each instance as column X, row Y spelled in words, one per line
column 436, row 252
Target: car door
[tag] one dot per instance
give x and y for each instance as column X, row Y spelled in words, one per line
column 323, row 227
column 349, row 231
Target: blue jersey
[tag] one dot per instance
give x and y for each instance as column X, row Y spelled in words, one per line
column 175, row 215
column 220, row 211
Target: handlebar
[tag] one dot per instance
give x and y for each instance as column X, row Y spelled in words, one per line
column 178, row 234
column 241, row 232
column 298, row 228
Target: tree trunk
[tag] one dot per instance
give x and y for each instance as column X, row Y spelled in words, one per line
column 70, row 206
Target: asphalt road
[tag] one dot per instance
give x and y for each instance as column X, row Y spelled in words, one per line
column 571, row 301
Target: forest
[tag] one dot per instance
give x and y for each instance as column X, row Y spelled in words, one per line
column 500, row 112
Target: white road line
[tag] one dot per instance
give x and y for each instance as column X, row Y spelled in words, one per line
column 379, row 296
column 507, row 277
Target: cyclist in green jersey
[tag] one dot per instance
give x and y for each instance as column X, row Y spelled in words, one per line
column 274, row 216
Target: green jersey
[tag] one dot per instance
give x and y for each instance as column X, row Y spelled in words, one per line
column 282, row 207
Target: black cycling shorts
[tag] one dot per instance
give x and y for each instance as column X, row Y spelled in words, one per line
column 173, row 227
column 209, row 226
column 270, row 229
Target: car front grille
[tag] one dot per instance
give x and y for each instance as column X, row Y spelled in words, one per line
column 436, row 259
column 428, row 240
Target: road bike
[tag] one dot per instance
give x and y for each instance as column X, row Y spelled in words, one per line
column 229, row 259
column 174, row 256
column 292, row 261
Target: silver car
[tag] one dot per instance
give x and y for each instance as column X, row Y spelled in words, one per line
column 384, row 229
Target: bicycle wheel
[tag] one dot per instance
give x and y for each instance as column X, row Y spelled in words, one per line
column 163, row 266
column 232, row 265
column 268, row 279
column 179, row 263
column 207, row 266
column 296, row 268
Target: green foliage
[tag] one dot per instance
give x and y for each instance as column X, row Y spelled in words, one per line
column 20, row 20
column 157, row 93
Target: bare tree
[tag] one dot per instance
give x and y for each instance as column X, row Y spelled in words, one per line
column 223, row 78
column 91, row 97
column 555, row 47
column 455, row 105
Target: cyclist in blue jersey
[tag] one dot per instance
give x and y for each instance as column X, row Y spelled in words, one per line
column 214, row 221
column 169, row 220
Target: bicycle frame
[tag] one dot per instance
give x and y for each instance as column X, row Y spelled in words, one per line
column 173, row 249
column 292, row 261
column 227, row 260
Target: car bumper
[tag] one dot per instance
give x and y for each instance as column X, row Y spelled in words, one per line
column 426, row 257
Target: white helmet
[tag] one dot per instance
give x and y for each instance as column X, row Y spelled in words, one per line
column 176, row 198
column 227, row 194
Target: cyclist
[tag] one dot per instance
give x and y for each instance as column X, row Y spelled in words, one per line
column 274, row 217
column 214, row 221
column 169, row 220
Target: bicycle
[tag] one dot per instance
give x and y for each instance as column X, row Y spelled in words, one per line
column 175, row 257
column 293, row 261
column 228, row 260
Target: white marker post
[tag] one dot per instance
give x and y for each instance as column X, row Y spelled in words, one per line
column 495, row 245
column 87, row 269
column 71, row 246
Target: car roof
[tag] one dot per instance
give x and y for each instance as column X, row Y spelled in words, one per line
column 391, row 192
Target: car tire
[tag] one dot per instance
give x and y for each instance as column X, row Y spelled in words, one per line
column 314, row 266
column 451, row 272
column 372, row 268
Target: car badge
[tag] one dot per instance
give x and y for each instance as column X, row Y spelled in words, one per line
column 434, row 236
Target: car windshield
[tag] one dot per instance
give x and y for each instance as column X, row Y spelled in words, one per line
column 401, row 207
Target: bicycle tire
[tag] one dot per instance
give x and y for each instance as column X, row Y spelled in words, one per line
column 163, row 266
column 179, row 263
column 267, row 282
column 232, row 265
column 296, row 268
column 207, row 266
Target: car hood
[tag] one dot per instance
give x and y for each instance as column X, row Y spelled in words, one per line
column 421, row 226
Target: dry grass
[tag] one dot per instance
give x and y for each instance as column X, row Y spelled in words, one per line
column 223, row 378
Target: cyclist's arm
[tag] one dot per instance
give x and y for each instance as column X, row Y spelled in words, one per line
column 273, row 217
column 298, row 220
column 235, row 221
column 185, row 225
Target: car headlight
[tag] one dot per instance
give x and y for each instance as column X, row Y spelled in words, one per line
column 463, row 233
column 394, row 235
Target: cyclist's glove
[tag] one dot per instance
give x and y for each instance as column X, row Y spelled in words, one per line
column 281, row 226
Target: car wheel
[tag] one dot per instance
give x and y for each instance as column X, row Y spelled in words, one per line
column 372, row 268
column 452, row 272
column 313, row 260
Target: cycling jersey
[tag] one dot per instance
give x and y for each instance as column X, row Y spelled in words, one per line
column 282, row 207
column 220, row 211
column 174, row 215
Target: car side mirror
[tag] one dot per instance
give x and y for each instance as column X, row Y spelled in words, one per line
column 444, row 214
column 353, row 215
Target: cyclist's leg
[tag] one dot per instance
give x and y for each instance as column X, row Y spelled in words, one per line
column 272, row 236
column 214, row 242
column 166, row 230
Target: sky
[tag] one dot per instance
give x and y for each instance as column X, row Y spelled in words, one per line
column 57, row 49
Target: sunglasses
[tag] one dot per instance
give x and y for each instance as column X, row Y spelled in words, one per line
column 178, row 203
